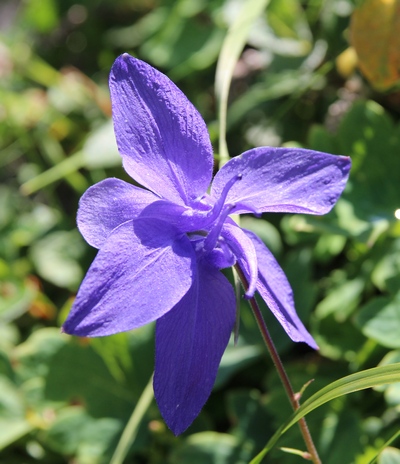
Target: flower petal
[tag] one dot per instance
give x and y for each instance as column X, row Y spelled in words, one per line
column 286, row 180
column 140, row 273
column 162, row 138
column 275, row 290
column 243, row 248
column 190, row 341
column 108, row 204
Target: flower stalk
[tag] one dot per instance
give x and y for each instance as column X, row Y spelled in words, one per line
column 293, row 398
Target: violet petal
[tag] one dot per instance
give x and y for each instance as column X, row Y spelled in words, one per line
column 277, row 293
column 140, row 273
column 190, row 341
column 106, row 205
column 286, row 180
column 161, row 136
column 244, row 250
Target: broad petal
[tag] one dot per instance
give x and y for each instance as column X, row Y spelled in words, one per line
column 162, row 138
column 140, row 273
column 108, row 204
column 286, row 180
column 243, row 248
column 190, row 341
column 275, row 290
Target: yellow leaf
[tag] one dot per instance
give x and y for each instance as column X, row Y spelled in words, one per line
column 374, row 33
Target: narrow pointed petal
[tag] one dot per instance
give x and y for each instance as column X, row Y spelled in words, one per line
column 190, row 341
column 275, row 290
column 108, row 204
column 162, row 138
column 243, row 248
column 140, row 273
column 286, row 180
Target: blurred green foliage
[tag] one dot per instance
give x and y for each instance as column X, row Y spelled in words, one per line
column 64, row 399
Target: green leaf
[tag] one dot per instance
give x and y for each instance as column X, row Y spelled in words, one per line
column 13, row 423
column 12, row 430
column 338, row 340
column 77, row 373
column 275, row 85
column 42, row 15
column 386, row 275
column 15, row 298
column 115, row 353
column 379, row 319
column 368, row 135
column 234, row 359
column 341, row 300
column 268, row 233
column 181, row 36
column 11, row 405
column 77, row 434
column 206, row 448
column 35, row 353
column 336, row 427
column 288, row 20
column 56, row 258
column 361, row 380
column 65, row 433
column 232, row 47
column 319, row 138
column 100, row 149
column 251, row 419
column 97, row 440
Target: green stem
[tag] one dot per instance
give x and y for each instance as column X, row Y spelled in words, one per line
column 66, row 167
column 281, row 370
column 385, row 445
column 129, row 434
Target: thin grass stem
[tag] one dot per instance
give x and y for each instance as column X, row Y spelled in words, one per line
column 130, row 431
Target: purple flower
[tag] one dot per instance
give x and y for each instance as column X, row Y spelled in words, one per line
column 161, row 247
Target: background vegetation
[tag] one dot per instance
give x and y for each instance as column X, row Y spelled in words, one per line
column 67, row 400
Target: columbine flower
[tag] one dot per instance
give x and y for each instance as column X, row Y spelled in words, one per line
column 161, row 247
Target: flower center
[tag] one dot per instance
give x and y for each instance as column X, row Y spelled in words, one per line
column 211, row 240
column 213, row 220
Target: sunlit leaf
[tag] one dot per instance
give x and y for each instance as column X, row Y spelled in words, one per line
column 12, row 430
